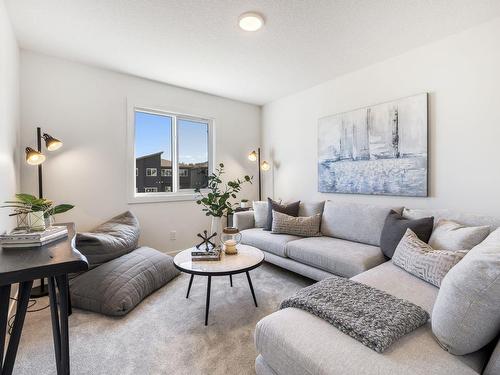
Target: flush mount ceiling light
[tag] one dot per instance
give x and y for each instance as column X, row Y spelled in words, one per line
column 251, row 21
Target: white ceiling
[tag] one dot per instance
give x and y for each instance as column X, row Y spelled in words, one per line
column 197, row 44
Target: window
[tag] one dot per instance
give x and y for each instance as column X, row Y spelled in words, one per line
column 151, row 172
column 169, row 150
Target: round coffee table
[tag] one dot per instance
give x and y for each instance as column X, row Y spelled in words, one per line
column 247, row 259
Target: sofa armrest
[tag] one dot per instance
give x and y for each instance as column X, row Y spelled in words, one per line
column 243, row 220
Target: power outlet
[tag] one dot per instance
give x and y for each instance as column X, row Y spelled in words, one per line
column 173, row 235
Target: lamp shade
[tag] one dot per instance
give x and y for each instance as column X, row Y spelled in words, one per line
column 252, row 156
column 51, row 143
column 265, row 166
column 34, row 157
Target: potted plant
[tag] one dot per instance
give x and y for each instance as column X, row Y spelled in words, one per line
column 216, row 202
column 35, row 213
column 244, row 203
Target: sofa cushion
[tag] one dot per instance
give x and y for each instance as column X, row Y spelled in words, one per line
column 304, row 226
column 110, row 240
column 267, row 241
column 458, row 216
column 293, row 342
column 420, row 259
column 311, row 208
column 119, row 285
column 260, row 212
column 340, row 257
column 466, row 314
column 395, row 227
column 354, row 221
column 450, row 235
column 291, row 209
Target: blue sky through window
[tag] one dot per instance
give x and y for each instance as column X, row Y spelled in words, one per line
column 153, row 134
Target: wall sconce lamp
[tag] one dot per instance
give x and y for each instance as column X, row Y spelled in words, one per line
column 35, row 157
column 264, row 165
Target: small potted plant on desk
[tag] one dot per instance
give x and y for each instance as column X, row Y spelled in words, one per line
column 35, row 213
column 216, row 202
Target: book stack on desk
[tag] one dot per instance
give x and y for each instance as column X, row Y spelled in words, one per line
column 24, row 238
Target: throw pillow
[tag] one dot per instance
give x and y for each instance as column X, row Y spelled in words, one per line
column 112, row 239
column 305, row 226
column 450, row 235
column 291, row 209
column 421, row 260
column 395, row 227
column 260, row 212
column 465, row 316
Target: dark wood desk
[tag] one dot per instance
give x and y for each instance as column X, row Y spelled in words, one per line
column 53, row 261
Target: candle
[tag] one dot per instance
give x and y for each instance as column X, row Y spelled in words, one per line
column 230, row 243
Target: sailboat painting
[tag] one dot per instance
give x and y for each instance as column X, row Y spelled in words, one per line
column 381, row 149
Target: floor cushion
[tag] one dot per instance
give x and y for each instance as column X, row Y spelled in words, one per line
column 340, row 257
column 119, row 285
column 267, row 241
column 110, row 240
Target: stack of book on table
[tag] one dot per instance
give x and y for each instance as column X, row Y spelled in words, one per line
column 203, row 255
column 25, row 238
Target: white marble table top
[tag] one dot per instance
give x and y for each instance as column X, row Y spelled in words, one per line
column 247, row 257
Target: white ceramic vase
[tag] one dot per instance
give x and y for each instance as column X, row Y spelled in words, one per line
column 216, row 227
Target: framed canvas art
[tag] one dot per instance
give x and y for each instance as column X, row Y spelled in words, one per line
column 381, row 149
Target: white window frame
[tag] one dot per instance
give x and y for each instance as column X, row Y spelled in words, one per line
column 152, row 169
column 176, row 194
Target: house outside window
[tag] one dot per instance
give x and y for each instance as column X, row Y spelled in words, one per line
column 180, row 147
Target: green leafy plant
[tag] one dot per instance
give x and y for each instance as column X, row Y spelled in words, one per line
column 217, row 201
column 26, row 203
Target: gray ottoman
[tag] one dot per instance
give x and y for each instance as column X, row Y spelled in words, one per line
column 117, row 286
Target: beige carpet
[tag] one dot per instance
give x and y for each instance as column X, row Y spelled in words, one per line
column 165, row 334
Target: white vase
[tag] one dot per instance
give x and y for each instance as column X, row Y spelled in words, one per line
column 216, row 227
column 36, row 220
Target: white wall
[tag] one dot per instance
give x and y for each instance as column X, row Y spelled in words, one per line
column 86, row 108
column 9, row 116
column 462, row 75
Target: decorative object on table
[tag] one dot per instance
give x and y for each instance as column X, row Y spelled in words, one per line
column 381, row 149
column 26, row 238
column 230, row 238
column 216, row 202
column 208, row 245
column 291, row 209
column 35, row 213
column 245, row 203
column 264, row 165
column 206, row 255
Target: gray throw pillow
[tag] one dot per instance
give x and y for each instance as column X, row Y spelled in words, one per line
column 291, row 209
column 260, row 212
column 421, row 260
column 305, row 226
column 450, row 235
column 114, row 238
column 466, row 314
column 395, row 227
column 117, row 286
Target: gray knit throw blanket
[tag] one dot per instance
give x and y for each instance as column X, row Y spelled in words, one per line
column 371, row 316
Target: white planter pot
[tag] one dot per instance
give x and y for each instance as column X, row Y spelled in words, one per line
column 216, row 227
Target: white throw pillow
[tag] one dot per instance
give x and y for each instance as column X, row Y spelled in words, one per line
column 260, row 212
column 450, row 235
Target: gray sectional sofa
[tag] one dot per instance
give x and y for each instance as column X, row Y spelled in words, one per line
column 292, row 341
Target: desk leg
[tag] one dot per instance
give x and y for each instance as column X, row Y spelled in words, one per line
column 54, row 314
column 22, row 306
column 62, row 284
column 4, row 315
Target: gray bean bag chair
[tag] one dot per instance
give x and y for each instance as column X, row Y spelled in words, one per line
column 119, row 285
column 116, row 237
